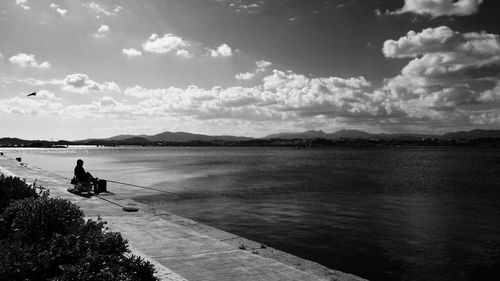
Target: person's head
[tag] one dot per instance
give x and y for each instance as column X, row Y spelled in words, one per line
column 79, row 162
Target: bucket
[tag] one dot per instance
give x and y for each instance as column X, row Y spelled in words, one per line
column 102, row 186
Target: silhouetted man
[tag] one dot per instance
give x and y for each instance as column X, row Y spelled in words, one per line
column 83, row 179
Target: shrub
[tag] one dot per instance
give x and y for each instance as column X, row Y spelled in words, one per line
column 44, row 238
column 12, row 189
column 100, row 267
column 88, row 254
column 36, row 219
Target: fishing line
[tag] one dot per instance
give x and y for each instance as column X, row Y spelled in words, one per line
column 144, row 187
column 118, row 182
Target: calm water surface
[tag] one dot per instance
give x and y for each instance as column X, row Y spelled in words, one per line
column 382, row 214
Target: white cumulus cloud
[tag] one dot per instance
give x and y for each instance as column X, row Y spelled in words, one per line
column 282, row 96
column 222, row 51
column 437, row 8
column 184, row 53
column 100, row 10
column 261, row 66
column 58, row 10
column 44, row 94
column 24, row 106
column 81, row 83
column 451, row 75
column 102, row 32
column 131, row 52
column 426, row 41
column 162, row 45
column 28, row 60
column 245, row 76
column 23, row 4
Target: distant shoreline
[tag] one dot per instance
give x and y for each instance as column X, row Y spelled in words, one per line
column 298, row 143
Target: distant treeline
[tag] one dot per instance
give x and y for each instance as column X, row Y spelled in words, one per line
column 299, row 143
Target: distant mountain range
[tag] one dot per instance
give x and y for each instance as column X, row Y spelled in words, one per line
column 175, row 137
column 348, row 134
column 356, row 134
column 474, row 134
column 180, row 137
column 321, row 134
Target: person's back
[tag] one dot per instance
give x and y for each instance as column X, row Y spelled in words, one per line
column 83, row 180
column 80, row 174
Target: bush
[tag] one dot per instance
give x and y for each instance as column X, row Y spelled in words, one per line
column 12, row 189
column 35, row 219
column 44, row 238
column 88, row 253
column 100, row 267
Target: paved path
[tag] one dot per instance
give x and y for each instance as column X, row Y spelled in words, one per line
column 173, row 244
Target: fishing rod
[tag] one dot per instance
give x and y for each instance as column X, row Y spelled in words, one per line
column 125, row 208
column 143, row 187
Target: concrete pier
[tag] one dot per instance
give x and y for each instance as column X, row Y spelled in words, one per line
column 180, row 249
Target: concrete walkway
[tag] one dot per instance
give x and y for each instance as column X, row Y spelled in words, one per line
column 172, row 243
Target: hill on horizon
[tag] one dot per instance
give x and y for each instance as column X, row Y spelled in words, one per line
column 321, row 134
column 174, row 137
column 311, row 134
column 353, row 134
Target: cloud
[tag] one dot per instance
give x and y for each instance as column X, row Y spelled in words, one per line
column 451, row 75
column 23, row 4
column 203, row 104
column 245, row 76
column 81, row 83
column 74, row 83
column 28, row 106
column 58, row 10
column 449, row 78
column 441, row 51
column 437, row 8
column 25, row 60
column 429, row 40
column 117, row 9
column 140, row 92
column 99, row 10
column 261, row 66
column 328, row 96
column 171, row 43
column 184, row 53
column 102, row 32
column 103, row 107
column 282, row 96
column 245, row 6
column 443, row 40
column 222, row 51
column 132, row 52
column 30, row 81
column 167, row 43
column 288, row 100
column 44, row 94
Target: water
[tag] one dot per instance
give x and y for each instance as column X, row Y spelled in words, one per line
column 383, row 214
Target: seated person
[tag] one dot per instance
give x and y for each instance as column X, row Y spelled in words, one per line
column 84, row 180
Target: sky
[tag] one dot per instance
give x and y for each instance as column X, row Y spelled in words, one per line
column 247, row 68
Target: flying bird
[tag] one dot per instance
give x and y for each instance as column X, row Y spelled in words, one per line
column 32, row 94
